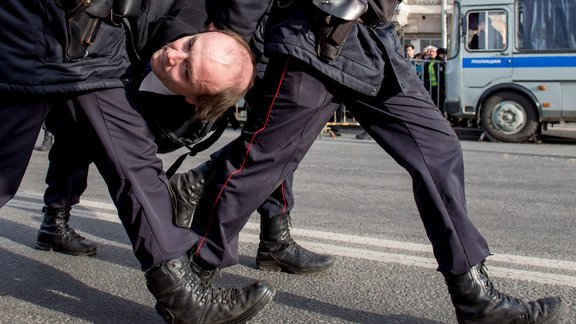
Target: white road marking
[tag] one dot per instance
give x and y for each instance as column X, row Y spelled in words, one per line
column 107, row 212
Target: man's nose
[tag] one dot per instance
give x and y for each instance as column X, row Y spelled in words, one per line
column 174, row 57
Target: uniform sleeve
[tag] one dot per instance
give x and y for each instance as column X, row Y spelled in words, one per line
column 240, row 16
column 183, row 17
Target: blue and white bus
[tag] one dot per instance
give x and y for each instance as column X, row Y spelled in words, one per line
column 512, row 66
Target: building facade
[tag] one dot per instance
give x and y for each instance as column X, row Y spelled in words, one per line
column 420, row 22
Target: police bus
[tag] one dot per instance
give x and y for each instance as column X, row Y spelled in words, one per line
column 512, row 66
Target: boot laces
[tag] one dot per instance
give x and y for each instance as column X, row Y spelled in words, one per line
column 289, row 221
column 205, row 292
column 198, row 282
column 293, row 248
column 206, row 276
column 494, row 292
column 70, row 234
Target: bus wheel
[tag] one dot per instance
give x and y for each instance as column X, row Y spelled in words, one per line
column 509, row 117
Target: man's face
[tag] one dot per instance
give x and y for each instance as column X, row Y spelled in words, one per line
column 410, row 52
column 197, row 64
column 481, row 26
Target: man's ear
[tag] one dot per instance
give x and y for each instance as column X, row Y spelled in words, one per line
column 190, row 100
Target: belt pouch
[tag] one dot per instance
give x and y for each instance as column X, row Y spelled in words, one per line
column 332, row 33
column 83, row 19
column 125, row 9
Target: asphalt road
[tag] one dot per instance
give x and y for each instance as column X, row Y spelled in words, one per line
column 352, row 200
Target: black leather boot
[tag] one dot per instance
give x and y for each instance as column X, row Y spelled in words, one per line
column 277, row 250
column 55, row 234
column 186, row 189
column 183, row 298
column 478, row 302
column 205, row 276
column 46, row 142
column 362, row 135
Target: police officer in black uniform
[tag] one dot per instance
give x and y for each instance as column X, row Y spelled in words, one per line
column 72, row 57
column 277, row 250
column 324, row 53
column 67, row 173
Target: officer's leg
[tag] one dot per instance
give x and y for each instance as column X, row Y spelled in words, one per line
column 70, row 157
column 277, row 250
column 414, row 132
column 126, row 158
column 291, row 109
column 22, row 119
column 281, row 201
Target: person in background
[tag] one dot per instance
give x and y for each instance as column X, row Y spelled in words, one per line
column 430, row 72
column 439, row 94
column 429, row 52
column 486, row 37
column 418, row 65
column 409, row 49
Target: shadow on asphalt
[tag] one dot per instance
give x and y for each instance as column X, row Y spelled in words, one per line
column 44, row 286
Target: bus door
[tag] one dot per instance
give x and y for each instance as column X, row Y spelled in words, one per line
column 487, row 52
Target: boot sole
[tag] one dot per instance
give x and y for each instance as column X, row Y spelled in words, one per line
column 561, row 313
column 249, row 314
column 50, row 247
column 264, row 301
column 275, row 266
column 557, row 318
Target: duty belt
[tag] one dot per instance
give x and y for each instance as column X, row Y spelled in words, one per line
column 334, row 22
column 84, row 17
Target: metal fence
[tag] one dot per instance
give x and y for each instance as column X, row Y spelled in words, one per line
column 431, row 73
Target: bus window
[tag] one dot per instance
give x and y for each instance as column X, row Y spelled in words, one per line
column 546, row 25
column 487, row 31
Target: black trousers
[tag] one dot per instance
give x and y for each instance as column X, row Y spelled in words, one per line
column 104, row 128
column 67, row 173
column 22, row 118
column 280, row 201
column 294, row 103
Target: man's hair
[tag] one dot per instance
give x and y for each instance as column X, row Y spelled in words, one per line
column 409, row 46
column 210, row 106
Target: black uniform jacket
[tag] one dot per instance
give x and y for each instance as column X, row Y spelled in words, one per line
column 33, row 55
column 290, row 30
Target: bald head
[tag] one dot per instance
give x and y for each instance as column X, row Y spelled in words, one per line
column 211, row 69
